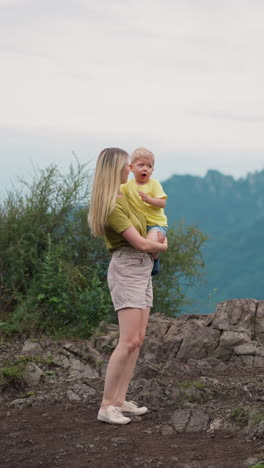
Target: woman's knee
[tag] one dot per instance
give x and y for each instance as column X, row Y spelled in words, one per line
column 133, row 345
column 141, row 339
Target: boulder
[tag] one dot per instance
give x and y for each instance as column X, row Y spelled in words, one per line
column 33, row 374
column 236, row 315
column 259, row 323
column 228, row 340
column 31, row 347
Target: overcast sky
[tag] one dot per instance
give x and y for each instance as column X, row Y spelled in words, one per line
column 181, row 77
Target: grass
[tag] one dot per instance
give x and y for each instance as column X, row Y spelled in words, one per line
column 257, row 418
column 240, row 415
column 192, row 392
column 13, row 373
column 195, row 384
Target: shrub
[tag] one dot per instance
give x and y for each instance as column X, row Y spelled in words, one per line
column 240, row 415
column 181, row 265
column 53, row 272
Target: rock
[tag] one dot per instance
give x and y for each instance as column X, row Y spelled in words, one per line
column 33, row 375
column 31, row 347
column 190, row 420
column 73, row 396
column 237, row 315
column 258, row 361
column 228, row 340
column 256, row 431
column 21, row 403
column 198, row 342
column 203, row 364
column 198, row 421
column 215, row 425
column 167, row 430
column 83, row 391
column 180, row 419
column 247, row 360
column 78, row 370
column 151, row 349
column 194, row 339
column 62, row 361
column 259, row 324
column 245, row 350
column 220, row 367
column 191, row 339
column 158, row 328
column 83, row 351
column 260, row 351
column 107, row 342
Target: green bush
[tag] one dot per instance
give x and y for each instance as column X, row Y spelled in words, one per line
column 181, row 265
column 53, row 271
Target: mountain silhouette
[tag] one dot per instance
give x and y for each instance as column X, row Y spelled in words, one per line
column 231, row 212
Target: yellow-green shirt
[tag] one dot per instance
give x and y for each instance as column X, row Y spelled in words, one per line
column 154, row 215
column 122, row 217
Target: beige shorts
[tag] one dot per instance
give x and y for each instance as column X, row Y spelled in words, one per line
column 129, row 279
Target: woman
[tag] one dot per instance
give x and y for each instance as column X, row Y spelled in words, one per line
column 129, row 277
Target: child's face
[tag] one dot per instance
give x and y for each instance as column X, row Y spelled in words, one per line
column 142, row 169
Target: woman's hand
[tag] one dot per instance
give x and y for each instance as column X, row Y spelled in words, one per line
column 143, row 244
column 161, row 237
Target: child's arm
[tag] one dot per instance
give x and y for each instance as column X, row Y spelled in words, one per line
column 143, row 243
column 159, row 202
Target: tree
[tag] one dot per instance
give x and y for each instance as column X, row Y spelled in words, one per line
column 53, row 271
column 181, row 265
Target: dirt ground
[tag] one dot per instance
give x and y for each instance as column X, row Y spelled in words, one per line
column 69, row 436
column 62, row 433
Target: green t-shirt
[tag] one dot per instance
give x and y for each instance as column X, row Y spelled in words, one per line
column 122, row 217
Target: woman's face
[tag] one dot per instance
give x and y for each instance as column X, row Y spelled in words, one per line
column 125, row 173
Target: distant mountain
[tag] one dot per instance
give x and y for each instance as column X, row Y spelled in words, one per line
column 231, row 212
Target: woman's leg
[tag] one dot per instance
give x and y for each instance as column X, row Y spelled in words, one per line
column 132, row 325
column 125, row 378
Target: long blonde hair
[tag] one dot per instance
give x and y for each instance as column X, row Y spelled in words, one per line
column 106, row 185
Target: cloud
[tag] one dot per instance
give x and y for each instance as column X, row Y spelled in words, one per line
column 179, row 74
column 251, row 118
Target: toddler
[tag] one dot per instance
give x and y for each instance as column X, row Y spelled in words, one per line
column 147, row 195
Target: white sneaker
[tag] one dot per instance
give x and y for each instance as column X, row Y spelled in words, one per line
column 133, row 408
column 112, row 415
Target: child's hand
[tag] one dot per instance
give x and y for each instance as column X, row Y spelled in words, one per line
column 144, row 197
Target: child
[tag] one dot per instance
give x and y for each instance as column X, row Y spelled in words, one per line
column 147, row 195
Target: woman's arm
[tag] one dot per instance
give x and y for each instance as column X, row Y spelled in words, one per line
column 140, row 243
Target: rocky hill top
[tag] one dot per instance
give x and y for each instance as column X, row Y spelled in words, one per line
column 198, row 374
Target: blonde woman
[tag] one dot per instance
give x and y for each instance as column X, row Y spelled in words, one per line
column 129, row 277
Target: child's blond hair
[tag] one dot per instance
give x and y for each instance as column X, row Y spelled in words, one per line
column 142, row 152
